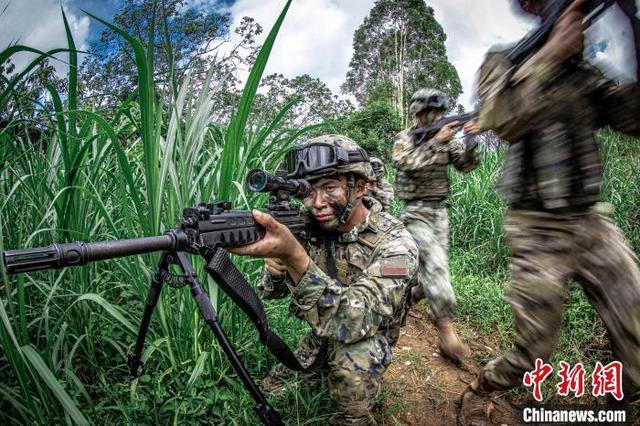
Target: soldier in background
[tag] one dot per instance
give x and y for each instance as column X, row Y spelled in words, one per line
column 422, row 182
column 349, row 282
column 381, row 189
column 548, row 112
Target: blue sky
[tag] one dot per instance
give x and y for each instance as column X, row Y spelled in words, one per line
column 104, row 9
column 316, row 36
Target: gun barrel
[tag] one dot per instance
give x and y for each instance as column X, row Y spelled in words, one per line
column 79, row 253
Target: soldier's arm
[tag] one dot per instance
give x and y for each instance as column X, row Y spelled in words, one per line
column 509, row 101
column 407, row 156
column 270, row 287
column 620, row 106
column 350, row 313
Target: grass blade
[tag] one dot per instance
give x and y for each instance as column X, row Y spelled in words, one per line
column 52, row 383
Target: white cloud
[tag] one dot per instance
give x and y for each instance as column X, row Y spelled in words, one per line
column 472, row 27
column 38, row 24
column 617, row 61
column 316, row 36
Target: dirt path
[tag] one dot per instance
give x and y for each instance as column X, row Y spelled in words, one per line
column 423, row 388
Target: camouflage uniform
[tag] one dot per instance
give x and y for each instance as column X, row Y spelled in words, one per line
column 551, row 179
column 359, row 312
column 383, row 192
column 423, row 183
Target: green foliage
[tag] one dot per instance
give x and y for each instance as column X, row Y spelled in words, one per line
column 374, row 127
column 315, row 103
column 235, row 137
column 621, row 156
column 398, row 49
column 185, row 39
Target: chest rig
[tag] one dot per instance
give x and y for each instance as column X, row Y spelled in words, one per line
column 345, row 256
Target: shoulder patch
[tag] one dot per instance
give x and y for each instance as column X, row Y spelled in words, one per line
column 395, row 267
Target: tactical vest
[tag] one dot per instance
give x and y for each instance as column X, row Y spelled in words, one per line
column 556, row 166
column 353, row 257
column 429, row 183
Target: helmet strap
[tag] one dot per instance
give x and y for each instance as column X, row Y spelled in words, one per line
column 346, row 211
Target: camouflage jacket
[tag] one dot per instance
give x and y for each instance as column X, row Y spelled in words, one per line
column 422, row 169
column 383, row 192
column 549, row 115
column 374, row 261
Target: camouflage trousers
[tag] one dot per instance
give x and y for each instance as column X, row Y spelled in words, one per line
column 547, row 251
column 429, row 227
column 353, row 374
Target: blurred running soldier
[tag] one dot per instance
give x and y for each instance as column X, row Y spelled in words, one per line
column 557, row 230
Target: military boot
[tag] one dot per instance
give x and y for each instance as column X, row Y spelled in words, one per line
column 475, row 404
column 448, row 341
column 416, row 294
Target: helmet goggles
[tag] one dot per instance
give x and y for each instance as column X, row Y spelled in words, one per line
column 320, row 156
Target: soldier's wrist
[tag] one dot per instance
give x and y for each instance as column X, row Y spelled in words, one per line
column 297, row 264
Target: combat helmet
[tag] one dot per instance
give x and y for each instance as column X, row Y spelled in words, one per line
column 428, row 98
column 378, row 167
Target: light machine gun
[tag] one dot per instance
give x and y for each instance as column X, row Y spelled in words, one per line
column 204, row 230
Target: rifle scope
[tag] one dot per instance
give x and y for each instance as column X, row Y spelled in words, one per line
column 259, row 180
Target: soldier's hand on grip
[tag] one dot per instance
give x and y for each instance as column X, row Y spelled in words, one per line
column 278, row 242
column 567, row 38
column 447, row 132
column 472, row 128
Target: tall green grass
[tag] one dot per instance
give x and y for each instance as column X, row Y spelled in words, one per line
column 101, row 175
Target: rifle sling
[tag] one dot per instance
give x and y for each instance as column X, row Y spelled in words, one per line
column 330, row 253
column 233, row 283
